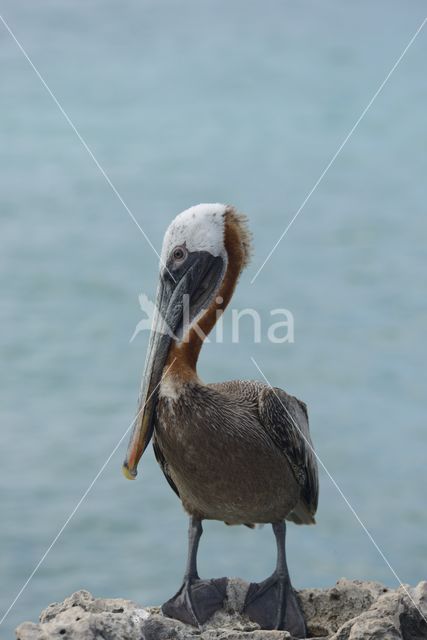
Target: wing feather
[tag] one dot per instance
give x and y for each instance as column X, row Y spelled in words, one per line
column 164, row 465
column 285, row 419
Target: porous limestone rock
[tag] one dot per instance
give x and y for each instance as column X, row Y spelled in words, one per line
column 351, row 610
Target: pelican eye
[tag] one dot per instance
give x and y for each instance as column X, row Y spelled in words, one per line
column 179, row 253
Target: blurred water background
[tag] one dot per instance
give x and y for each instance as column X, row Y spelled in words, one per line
column 184, row 103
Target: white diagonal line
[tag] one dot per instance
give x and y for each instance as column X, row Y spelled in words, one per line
column 340, row 148
column 338, row 488
column 82, row 140
column 82, row 499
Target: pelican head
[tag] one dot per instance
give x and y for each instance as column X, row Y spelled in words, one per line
column 204, row 250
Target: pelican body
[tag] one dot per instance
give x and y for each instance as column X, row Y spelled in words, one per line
column 237, row 451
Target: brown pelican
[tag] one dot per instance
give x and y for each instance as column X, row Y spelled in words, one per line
column 238, row 451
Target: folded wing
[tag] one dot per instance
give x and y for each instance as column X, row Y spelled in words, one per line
column 285, row 420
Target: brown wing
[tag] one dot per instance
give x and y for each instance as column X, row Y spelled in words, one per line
column 163, row 465
column 285, row 419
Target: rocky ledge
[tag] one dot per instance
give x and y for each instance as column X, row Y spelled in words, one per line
column 351, row 610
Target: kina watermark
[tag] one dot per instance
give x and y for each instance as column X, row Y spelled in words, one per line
column 277, row 328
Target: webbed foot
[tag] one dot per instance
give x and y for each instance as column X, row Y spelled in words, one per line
column 196, row 601
column 273, row 605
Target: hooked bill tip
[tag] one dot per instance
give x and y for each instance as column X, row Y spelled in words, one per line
column 128, row 473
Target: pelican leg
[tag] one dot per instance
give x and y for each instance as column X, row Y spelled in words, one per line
column 273, row 603
column 197, row 600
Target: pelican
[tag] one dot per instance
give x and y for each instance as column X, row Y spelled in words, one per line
column 238, row 451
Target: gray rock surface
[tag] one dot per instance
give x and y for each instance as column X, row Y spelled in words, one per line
column 351, row 610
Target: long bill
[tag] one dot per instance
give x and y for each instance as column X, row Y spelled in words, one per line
column 158, row 349
column 198, row 283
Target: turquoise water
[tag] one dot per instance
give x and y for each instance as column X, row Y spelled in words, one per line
column 209, row 101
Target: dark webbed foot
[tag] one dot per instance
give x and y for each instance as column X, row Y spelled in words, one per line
column 273, row 605
column 196, row 601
